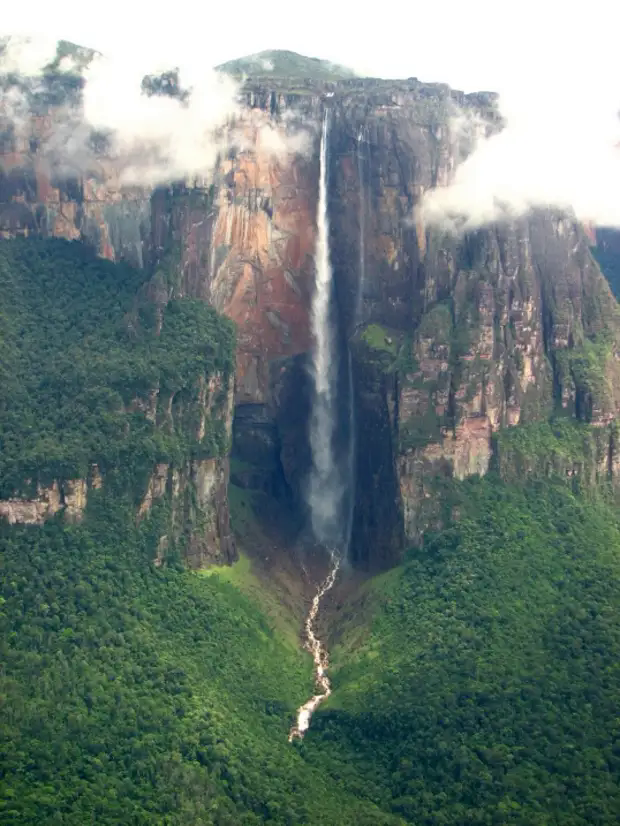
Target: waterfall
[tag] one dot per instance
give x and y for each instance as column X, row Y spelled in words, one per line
column 362, row 220
column 326, row 489
column 361, row 139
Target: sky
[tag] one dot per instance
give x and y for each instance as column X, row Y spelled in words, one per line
column 470, row 44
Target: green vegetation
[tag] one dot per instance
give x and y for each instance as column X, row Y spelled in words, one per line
column 243, row 577
column 562, row 447
column 584, row 367
column 131, row 693
column 283, row 64
column 377, row 338
column 137, row 695
column 436, row 324
column 479, row 682
column 388, row 350
column 79, row 347
column 421, row 429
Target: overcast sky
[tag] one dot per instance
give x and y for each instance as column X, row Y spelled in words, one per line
column 480, row 44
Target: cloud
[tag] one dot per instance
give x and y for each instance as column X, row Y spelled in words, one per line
column 285, row 137
column 149, row 139
column 159, row 137
column 559, row 148
column 26, row 56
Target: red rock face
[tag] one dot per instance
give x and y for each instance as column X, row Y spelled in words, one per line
column 262, row 258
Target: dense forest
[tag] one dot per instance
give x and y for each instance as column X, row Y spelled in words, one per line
column 139, row 695
column 479, row 682
column 80, row 341
column 476, row 683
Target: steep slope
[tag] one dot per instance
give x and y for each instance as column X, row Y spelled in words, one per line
column 606, row 250
column 466, row 334
column 102, row 388
column 478, row 683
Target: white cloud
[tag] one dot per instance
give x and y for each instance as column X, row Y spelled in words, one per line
column 25, row 55
column 560, row 148
column 151, row 140
column 285, row 137
column 555, row 71
column 161, row 138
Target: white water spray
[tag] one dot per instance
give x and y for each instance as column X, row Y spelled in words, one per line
column 326, row 488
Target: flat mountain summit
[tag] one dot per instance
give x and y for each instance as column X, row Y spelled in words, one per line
column 282, row 63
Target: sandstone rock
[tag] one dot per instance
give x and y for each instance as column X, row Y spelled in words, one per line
column 70, row 498
column 75, row 492
column 155, row 489
column 32, row 511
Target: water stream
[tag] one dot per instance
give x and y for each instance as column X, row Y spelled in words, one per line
column 319, row 653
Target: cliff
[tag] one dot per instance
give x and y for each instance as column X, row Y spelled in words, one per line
column 452, row 338
column 104, row 395
column 456, row 338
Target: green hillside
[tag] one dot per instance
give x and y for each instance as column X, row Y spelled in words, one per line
column 145, row 696
column 129, row 694
column 479, row 682
column 78, row 344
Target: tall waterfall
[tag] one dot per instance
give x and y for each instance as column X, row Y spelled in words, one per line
column 326, row 489
column 362, row 220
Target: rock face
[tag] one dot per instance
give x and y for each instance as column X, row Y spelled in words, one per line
column 197, row 494
column 194, row 491
column 473, row 334
column 452, row 339
column 68, row 498
column 244, row 242
column 261, row 275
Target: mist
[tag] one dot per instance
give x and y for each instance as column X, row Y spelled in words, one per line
column 147, row 139
column 559, row 148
